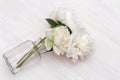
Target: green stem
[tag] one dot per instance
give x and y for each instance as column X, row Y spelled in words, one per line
column 25, row 57
column 29, row 54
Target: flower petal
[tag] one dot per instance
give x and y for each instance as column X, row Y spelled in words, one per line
column 48, row 44
column 57, row 50
column 50, row 34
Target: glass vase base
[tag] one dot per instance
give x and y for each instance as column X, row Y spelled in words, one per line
column 14, row 55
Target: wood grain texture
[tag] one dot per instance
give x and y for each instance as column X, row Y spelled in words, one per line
column 22, row 20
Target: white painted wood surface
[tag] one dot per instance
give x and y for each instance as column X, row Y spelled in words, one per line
column 22, row 20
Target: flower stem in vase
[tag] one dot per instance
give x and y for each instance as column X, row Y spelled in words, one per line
column 29, row 54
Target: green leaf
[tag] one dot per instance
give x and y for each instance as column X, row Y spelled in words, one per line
column 61, row 24
column 52, row 23
column 69, row 30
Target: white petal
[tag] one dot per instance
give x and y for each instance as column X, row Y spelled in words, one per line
column 57, row 50
column 86, row 43
column 48, row 44
column 66, row 17
column 74, row 59
column 50, row 34
column 53, row 15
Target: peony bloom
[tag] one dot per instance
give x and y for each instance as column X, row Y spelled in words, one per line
column 58, row 38
column 66, row 17
column 74, row 45
column 79, row 45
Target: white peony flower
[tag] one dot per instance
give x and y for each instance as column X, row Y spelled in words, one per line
column 80, row 45
column 58, row 38
column 75, row 45
column 66, row 18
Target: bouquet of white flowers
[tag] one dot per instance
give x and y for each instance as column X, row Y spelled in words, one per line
column 65, row 36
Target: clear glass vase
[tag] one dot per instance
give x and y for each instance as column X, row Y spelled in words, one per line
column 14, row 55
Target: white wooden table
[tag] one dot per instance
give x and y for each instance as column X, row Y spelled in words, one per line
column 22, row 20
